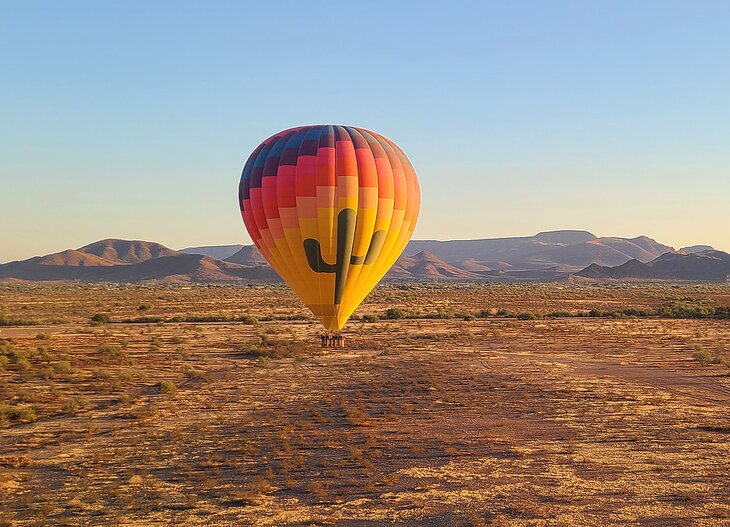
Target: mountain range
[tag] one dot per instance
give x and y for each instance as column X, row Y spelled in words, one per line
column 547, row 256
column 709, row 264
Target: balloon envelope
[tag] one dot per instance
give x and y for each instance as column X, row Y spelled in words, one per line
column 331, row 208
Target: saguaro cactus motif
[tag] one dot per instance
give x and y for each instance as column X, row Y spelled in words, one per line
column 345, row 258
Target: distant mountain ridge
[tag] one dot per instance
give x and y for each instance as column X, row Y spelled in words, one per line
column 219, row 252
column 131, row 261
column 427, row 266
column 547, row 256
column 567, row 250
column 248, row 254
column 707, row 265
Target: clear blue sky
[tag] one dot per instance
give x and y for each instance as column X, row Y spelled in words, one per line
column 133, row 119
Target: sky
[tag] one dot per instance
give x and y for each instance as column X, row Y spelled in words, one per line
column 134, row 119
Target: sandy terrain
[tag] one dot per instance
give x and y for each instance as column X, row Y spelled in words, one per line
column 437, row 422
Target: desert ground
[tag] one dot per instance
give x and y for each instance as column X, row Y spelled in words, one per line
column 452, row 405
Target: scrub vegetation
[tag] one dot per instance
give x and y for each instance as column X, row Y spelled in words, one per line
column 451, row 404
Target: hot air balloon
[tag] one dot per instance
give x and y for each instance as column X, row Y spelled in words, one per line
column 331, row 208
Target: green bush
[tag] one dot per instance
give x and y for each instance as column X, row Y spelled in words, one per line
column 100, row 318
column 394, row 313
column 684, row 309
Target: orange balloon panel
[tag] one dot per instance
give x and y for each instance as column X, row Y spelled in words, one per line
column 331, row 208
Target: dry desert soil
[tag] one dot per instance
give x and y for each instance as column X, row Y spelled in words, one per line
column 216, row 406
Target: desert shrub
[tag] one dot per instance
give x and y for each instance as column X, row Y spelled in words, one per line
column 266, row 347
column 73, row 405
column 251, row 492
column 42, row 354
column 23, row 414
column 126, row 375
column 685, row 309
column 257, row 351
column 155, row 343
column 3, row 362
column 63, row 367
column 97, row 373
column 145, row 320
column 177, row 339
column 636, row 312
column 180, row 353
column 111, row 352
column 438, row 315
column 167, row 387
column 484, row 313
column 296, row 316
column 201, row 318
column 502, row 313
column 528, row 316
column 21, row 362
column 7, row 320
column 317, row 489
column 703, row 357
column 467, row 317
column 43, row 336
column 394, row 313
column 194, row 373
column 370, row 318
column 100, row 318
column 144, row 307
